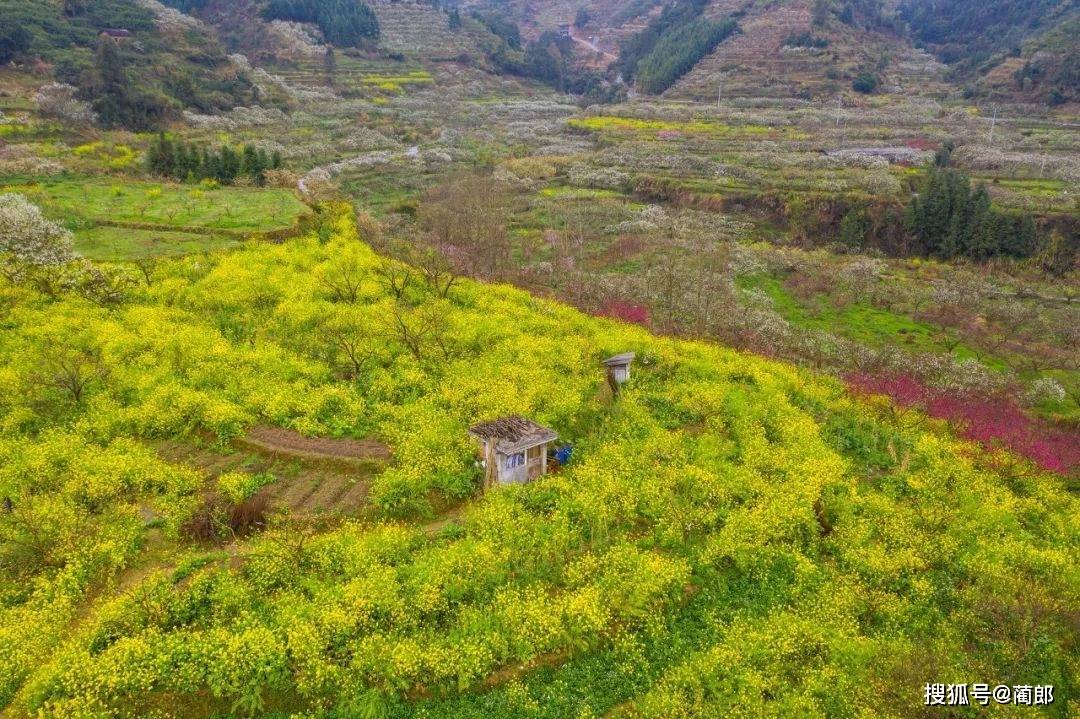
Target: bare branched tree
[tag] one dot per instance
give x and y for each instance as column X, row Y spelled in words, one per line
column 71, row 370
column 106, row 286
column 343, row 280
column 667, row 284
column 396, row 277
column 439, row 269
column 465, row 219
column 424, row 331
column 349, row 343
column 147, row 266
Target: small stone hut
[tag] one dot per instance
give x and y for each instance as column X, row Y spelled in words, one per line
column 618, row 369
column 514, row 449
column 116, row 34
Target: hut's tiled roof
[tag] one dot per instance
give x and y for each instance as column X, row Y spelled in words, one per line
column 624, row 358
column 513, row 433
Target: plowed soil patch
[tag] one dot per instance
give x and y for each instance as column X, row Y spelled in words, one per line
column 286, row 441
column 302, row 485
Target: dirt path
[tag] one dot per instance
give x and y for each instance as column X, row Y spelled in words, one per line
column 444, row 520
column 591, row 45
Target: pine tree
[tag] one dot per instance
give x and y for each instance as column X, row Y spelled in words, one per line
column 854, row 228
column 932, row 218
column 180, row 160
column 229, row 166
column 211, row 165
column 193, row 165
column 254, row 165
column 980, row 227
column 111, row 85
column 154, row 157
column 264, row 165
column 249, row 161
column 1025, row 238
column 330, row 65
column 952, row 243
column 190, row 166
column 960, row 209
column 943, row 156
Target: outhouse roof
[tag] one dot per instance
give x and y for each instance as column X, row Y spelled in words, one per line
column 513, row 433
column 116, row 32
column 624, row 358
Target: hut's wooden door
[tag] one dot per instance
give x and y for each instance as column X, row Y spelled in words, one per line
column 536, row 461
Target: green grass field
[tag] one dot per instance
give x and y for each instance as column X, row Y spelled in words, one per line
column 111, row 244
column 82, row 202
column 174, row 219
column 866, row 324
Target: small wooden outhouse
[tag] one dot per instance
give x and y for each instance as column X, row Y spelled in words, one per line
column 116, row 34
column 514, row 449
column 618, row 369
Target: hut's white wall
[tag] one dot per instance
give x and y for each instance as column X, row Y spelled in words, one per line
column 513, row 468
column 523, row 466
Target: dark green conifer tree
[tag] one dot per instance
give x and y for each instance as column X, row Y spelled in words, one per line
column 854, row 228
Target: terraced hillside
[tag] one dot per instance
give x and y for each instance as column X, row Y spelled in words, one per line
column 353, row 77
column 1034, row 63
column 134, row 220
column 417, row 29
column 612, row 22
column 756, row 62
column 1035, row 45
column 1044, row 69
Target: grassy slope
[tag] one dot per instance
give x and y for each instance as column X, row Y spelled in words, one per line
column 115, row 244
column 186, row 217
column 987, row 42
column 756, row 63
column 224, row 208
column 726, row 518
column 183, row 64
column 872, row 326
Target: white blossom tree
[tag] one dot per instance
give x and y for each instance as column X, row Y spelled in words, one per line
column 32, row 247
column 57, row 100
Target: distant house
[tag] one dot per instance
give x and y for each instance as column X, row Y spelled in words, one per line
column 564, row 30
column 514, row 449
column 116, row 34
column 618, row 369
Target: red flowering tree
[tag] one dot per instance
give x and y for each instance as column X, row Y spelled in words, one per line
column 991, row 420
